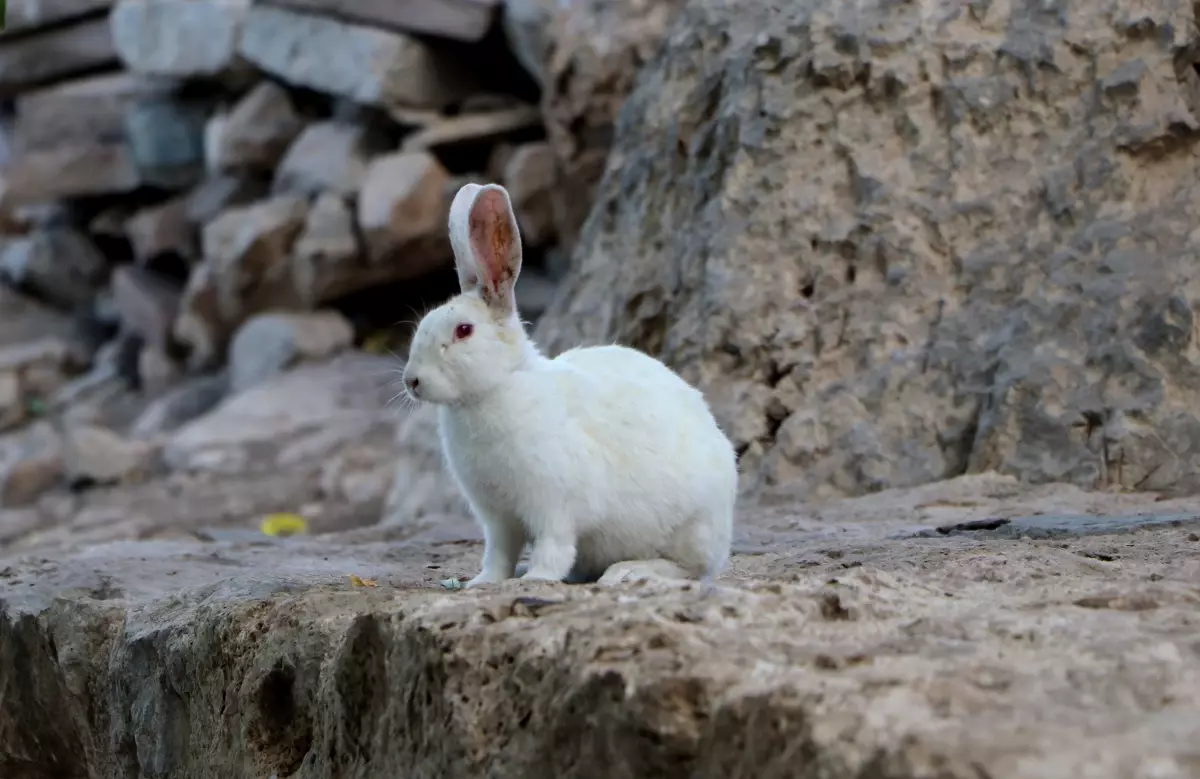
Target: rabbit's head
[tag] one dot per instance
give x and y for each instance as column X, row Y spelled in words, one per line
column 469, row 345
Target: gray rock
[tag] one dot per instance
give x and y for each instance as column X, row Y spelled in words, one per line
column 464, row 20
column 587, row 55
column 254, row 135
column 166, row 140
column 1043, row 325
column 193, row 398
column 369, row 65
column 55, row 54
column 326, row 157
column 60, row 265
column 323, row 404
column 267, row 344
column 246, row 270
column 96, row 455
column 69, row 171
column 168, row 38
column 33, row 14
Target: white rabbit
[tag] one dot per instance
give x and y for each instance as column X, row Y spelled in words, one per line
column 600, row 455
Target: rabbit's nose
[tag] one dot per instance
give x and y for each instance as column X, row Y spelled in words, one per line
column 413, row 383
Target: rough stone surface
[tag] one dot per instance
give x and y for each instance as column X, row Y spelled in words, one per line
column 58, row 53
column 402, row 211
column 464, row 20
column 588, row 54
column 896, row 243
column 254, row 135
column 829, row 649
column 170, row 38
column 368, row 65
column 326, row 157
column 529, row 176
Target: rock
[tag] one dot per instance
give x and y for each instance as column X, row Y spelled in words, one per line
column 147, row 303
column 325, row 259
column 30, row 373
column 475, row 127
column 81, row 112
column 60, row 265
column 361, row 475
column 31, row 462
column 193, row 398
column 32, row 14
column 69, row 171
column 95, row 455
column 246, row 270
column 58, row 53
column 24, row 319
column 12, row 406
column 155, row 370
column 166, row 139
column 318, row 404
column 528, row 26
column 327, row 156
column 534, row 293
column 861, row 315
column 529, row 176
column 162, row 231
column 402, row 211
column 255, row 134
column 368, row 65
column 267, row 344
column 168, row 38
column 590, row 52
column 842, row 639
column 463, row 20
column 217, row 193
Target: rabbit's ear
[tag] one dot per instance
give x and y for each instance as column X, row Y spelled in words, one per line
column 487, row 243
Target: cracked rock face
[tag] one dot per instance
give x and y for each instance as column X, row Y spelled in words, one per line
column 849, row 639
column 895, row 242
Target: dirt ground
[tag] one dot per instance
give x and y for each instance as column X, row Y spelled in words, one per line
column 847, row 639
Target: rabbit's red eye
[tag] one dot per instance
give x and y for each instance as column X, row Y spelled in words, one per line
column 464, row 331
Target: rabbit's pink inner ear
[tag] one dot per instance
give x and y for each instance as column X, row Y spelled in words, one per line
column 494, row 242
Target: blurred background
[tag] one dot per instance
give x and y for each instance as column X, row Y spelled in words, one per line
column 221, row 220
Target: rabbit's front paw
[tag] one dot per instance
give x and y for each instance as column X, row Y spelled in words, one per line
column 486, row 577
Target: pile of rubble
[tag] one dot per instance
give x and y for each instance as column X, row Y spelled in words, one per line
column 176, row 175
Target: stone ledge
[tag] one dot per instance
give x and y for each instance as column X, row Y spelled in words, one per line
column 889, row 658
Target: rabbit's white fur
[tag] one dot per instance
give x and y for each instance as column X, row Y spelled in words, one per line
column 598, row 456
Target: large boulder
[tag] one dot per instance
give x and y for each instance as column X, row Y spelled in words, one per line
column 586, row 56
column 896, row 242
